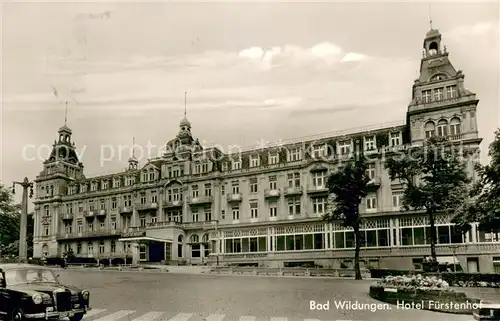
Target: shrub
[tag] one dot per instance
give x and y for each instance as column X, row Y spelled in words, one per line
column 415, row 282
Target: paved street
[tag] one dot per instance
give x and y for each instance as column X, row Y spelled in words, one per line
column 180, row 297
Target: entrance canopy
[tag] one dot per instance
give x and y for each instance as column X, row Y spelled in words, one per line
column 144, row 238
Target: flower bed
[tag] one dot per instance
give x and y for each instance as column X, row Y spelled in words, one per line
column 422, row 292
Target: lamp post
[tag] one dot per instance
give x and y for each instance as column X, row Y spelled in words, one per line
column 23, row 245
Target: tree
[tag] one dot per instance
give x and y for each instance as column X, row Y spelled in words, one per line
column 348, row 186
column 483, row 206
column 434, row 177
column 10, row 217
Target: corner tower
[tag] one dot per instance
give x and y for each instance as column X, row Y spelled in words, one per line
column 441, row 105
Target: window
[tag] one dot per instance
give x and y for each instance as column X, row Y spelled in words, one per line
column 438, row 94
column 142, row 252
column 225, row 167
column 319, row 151
column 127, row 200
column 273, row 210
column 294, row 206
column 319, row 179
column 236, row 213
column 143, row 199
column 299, row 242
column 204, row 167
column 69, row 208
column 143, row 221
column 223, row 215
column 194, row 215
column 370, row 171
column 345, row 148
column 254, row 210
column 90, row 227
column 113, row 223
column 102, row 204
column 455, row 126
column 79, row 227
column 46, row 210
column 101, row 247
column 273, row 158
column 397, row 199
column 197, row 169
column 236, row 187
column 130, row 180
column 154, row 220
column 451, row 92
column 395, row 139
column 173, row 195
column 195, row 250
column 67, row 228
column 90, row 248
column 113, row 247
column 430, row 129
column 208, row 214
column 273, row 183
column 79, row 248
column 114, row 203
column 80, row 207
column 370, row 143
column 91, row 205
column 194, row 190
column 116, row 182
column 151, row 175
column 371, row 203
column 253, row 185
column 236, row 164
column 223, row 189
column 154, row 197
column 93, row 186
column 426, row 96
column 105, row 184
column 294, row 180
column 246, row 244
column 442, row 127
column 294, row 154
column 208, row 190
column 319, row 205
column 46, row 231
column 254, row 160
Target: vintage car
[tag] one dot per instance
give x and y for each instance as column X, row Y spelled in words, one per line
column 30, row 292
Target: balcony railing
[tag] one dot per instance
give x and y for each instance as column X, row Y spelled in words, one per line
column 163, row 224
column 67, row 216
column 290, row 191
column 171, row 204
column 147, row 206
column 375, row 182
column 101, row 212
column 317, row 190
column 89, row 213
column 234, row 197
column 199, row 200
column 200, row 225
column 125, row 209
column 88, row 234
column 272, row 193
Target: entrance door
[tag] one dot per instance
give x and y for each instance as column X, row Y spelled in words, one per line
column 472, row 265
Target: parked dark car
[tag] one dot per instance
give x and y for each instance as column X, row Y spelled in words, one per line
column 32, row 292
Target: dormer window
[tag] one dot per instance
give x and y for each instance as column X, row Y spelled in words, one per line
column 294, row 154
column 225, row 166
column 204, row 167
column 345, row 148
column 395, row 139
column 273, row 158
column 151, row 175
column 83, row 188
column 254, row 160
column 370, row 143
column 438, row 77
column 236, row 164
column 319, row 151
column 130, row 180
column 197, row 168
column 94, row 186
column 105, row 184
column 116, row 182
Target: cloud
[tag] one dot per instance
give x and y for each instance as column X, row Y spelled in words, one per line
column 470, row 31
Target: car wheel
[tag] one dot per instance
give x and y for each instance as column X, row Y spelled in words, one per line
column 17, row 315
column 77, row 317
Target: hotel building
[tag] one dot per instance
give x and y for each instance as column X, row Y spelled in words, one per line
column 197, row 205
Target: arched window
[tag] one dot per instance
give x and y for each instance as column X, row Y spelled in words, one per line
column 430, row 129
column 113, row 247
column 204, row 239
column 194, row 238
column 455, row 126
column 180, row 239
column 179, row 246
column 433, row 48
column 45, row 250
column 151, row 174
column 442, row 128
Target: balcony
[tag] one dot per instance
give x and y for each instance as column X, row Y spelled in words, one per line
column 375, row 182
column 207, row 225
column 172, row 204
column 88, row 234
column 101, row 212
column 293, row 191
column 67, row 216
column 125, row 210
column 164, row 224
column 314, row 190
column 272, row 193
column 89, row 214
column 200, row 200
column 148, row 206
column 136, row 231
column 234, row 197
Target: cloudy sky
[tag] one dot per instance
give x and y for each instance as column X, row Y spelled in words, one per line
column 253, row 72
